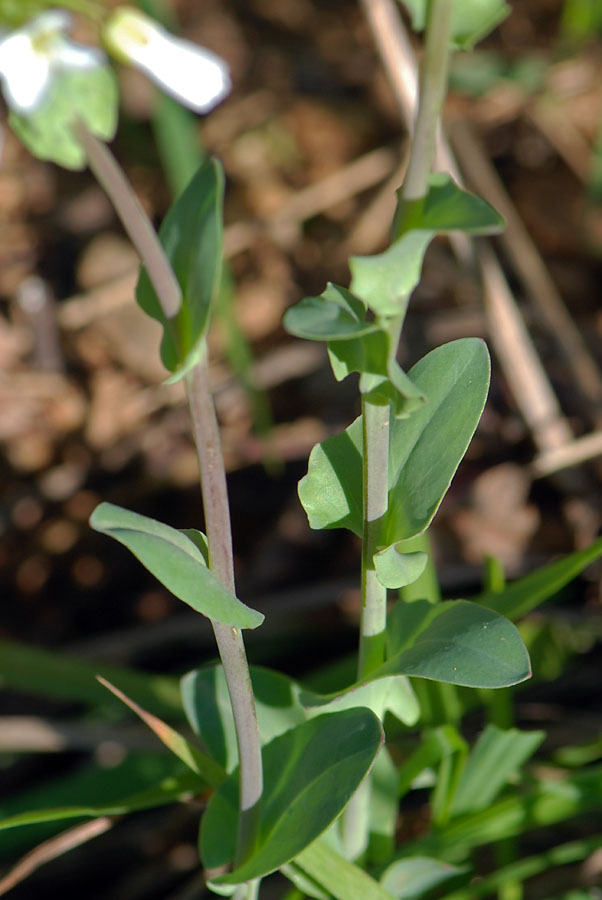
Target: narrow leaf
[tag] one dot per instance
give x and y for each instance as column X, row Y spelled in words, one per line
column 176, row 561
column 172, row 789
column 53, row 674
column 341, row 878
column 495, row 757
column 203, row 765
column 410, row 878
column 528, row 592
column 191, row 235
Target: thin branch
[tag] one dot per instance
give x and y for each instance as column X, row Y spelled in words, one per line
column 134, row 219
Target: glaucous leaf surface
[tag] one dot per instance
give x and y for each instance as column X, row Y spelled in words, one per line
column 207, row 705
column 424, row 450
column 394, row 693
column 191, row 235
column 310, row 774
column 396, row 569
column 335, row 315
column 447, row 207
column 176, row 561
column 456, row 642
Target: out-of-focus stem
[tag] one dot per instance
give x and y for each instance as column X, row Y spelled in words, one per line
column 135, row 221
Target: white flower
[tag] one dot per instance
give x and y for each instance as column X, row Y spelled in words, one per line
column 196, row 77
column 30, row 56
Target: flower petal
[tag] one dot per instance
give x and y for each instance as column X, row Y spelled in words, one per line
column 25, row 73
column 196, row 77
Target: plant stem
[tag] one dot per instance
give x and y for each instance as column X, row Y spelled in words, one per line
column 433, row 87
column 375, row 422
column 133, row 218
column 229, row 640
column 213, row 481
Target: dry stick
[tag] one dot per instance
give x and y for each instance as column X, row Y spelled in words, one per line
column 52, row 849
column 213, row 482
column 530, row 266
column 535, row 398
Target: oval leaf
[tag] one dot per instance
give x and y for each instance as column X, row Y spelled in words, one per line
column 463, row 643
column 325, row 760
column 425, row 449
column 176, row 561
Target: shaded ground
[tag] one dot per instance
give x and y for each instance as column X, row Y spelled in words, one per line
column 309, row 139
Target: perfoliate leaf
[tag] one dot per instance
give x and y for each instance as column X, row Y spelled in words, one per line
column 191, row 235
column 396, row 569
column 385, row 281
column 336, row 315
column 447, row 207
column 90, row 94
column 424, row 449
column 176, row 561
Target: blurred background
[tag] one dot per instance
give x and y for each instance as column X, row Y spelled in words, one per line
column 313, row 142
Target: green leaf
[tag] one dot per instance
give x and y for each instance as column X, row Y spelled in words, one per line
column 90, row 94
column 203, row 765
column 57, row 675
column 310, row 774
column 528, row 592
column 555, row 799
column 495, row 757
column 336, row 315
column 331, row 492
column 383, row 812
column 209, row 711
column 424, row 450
column 447, row 208
column 191, row 235
column 385, row 281
column 407, row 879
column 341, row 878
column 472, row 19
column 384, row 694
column 176, row 561
column 461, row 643
column 396, row 569
column 382, row 378
column 169, row 790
